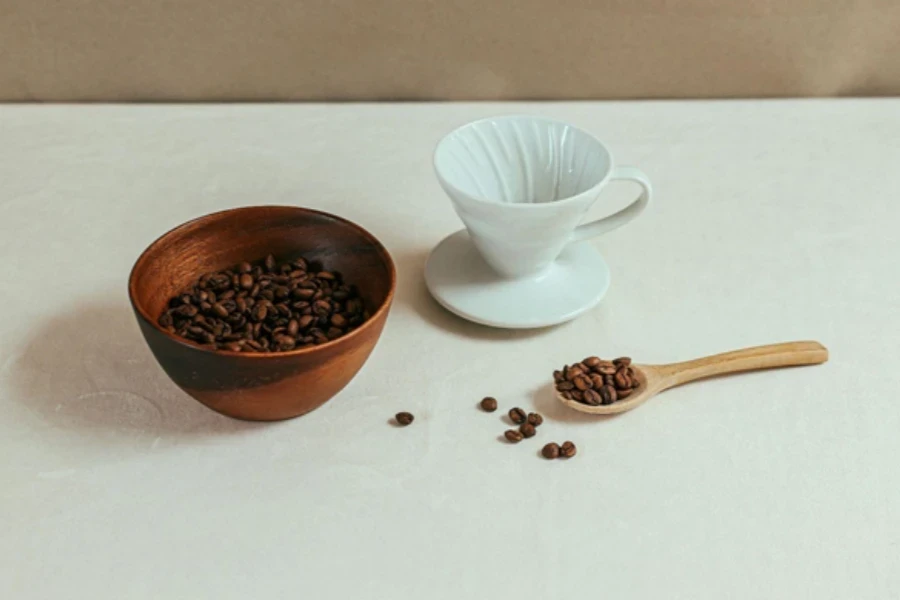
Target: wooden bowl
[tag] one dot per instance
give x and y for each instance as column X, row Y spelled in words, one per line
column 249, row 385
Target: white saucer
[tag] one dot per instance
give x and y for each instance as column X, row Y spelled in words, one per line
column 463, row 283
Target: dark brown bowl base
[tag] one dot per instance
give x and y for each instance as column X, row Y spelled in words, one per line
column 272, row 389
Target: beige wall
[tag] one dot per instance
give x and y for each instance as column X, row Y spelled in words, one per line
column 451, row 49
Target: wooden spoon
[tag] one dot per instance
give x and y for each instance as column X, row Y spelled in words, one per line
column 658, row 378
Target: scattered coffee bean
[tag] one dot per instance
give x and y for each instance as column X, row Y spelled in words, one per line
column 489, row 404
column 518, row 415
column 404, row 418
column 595, row 381
column 551, row 450
column 513, row 436
column 567, row 450
column 527, row 430
column 535, row 419
column 266, row 303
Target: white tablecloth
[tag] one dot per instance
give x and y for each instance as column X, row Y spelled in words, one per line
column 772, row 221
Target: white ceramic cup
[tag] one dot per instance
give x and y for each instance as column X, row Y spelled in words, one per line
column 522, row 185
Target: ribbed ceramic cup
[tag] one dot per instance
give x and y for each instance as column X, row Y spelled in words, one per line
column 522, row 185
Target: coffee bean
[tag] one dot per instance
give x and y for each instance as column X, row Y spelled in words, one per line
column 517, row 415
column 302, row 293
column 583, row 382
column 166, row 320
column 513, row 436
column 574, row 371
column 527, row 430
column 623, row 382
column 596, row 381
column 260, row 312
column 567, row 450
column 608, row 394
column 622, row 361
column 593, row 397
column 322, row 307
column 293, row 327
column 558, row 376
column 285, row 342
column 246, row 281
column 565, row 386
column 338, row 320
column 186, row 310
column 622, row 394
column 535, row 419
column 270, row 263
column 220, row 309
column 550, row 451
column 591, row 361
column 489, row 404
column 404, row 418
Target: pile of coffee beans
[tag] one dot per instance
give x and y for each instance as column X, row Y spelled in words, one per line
column 596, row 382
column 527, row 422
column 267, row 306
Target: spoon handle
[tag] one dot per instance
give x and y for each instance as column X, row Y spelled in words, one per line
column 773, row 356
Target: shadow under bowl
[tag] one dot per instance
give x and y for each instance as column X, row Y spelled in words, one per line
column 249, row 385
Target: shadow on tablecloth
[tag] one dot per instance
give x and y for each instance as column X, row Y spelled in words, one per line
column 89, row 371
column 413, row 294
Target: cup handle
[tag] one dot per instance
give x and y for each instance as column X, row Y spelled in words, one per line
column 616, row 220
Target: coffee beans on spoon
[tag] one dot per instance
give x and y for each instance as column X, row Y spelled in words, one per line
column 266, row 306
column 595, row 381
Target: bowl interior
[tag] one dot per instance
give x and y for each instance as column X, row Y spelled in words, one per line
column 174, row 262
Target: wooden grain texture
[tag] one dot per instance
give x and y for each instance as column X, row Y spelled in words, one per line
column 658, row 378
column 261, row 386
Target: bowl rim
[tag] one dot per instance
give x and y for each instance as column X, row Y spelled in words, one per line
column 382, row 308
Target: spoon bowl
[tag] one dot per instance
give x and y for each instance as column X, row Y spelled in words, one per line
column 654, row 379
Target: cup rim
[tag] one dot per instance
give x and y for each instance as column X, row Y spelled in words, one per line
column 375, row 316
column 522, row 205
